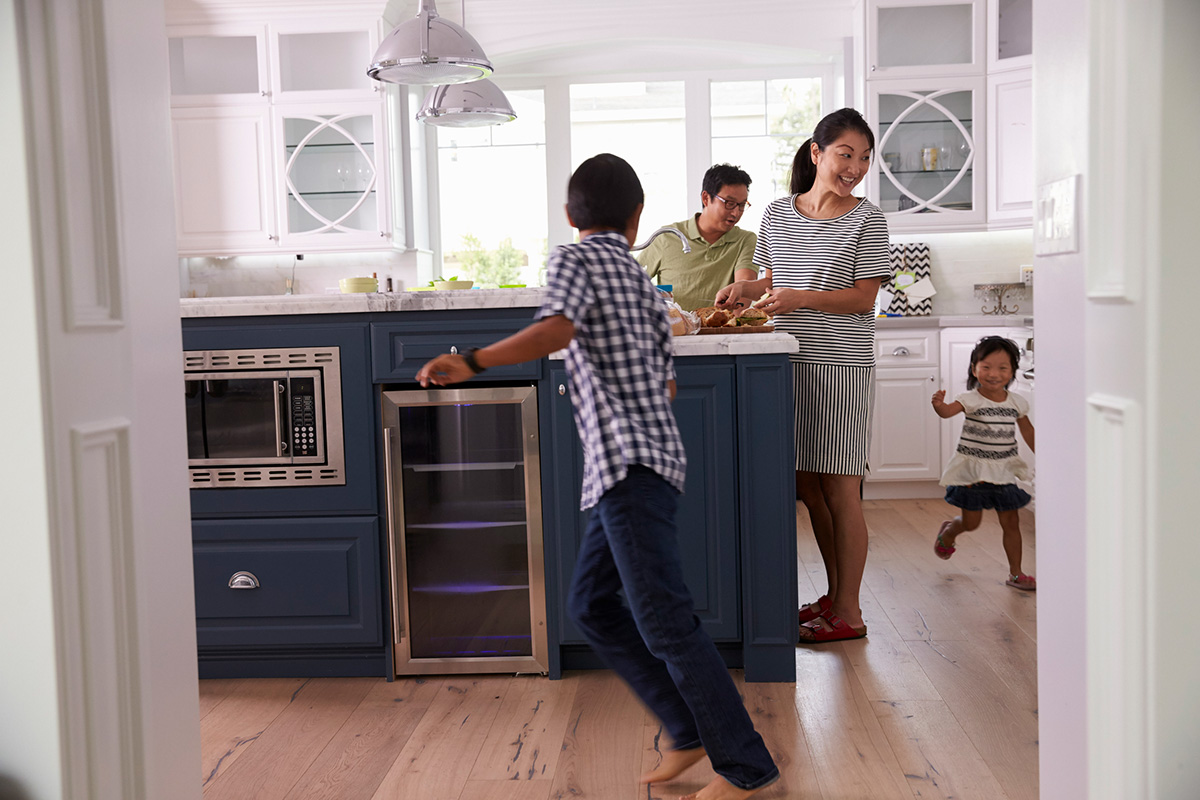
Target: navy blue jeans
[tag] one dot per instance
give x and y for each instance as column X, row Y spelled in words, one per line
column 656, row 644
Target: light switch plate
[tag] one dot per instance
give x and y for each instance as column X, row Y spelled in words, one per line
column 1056, row 228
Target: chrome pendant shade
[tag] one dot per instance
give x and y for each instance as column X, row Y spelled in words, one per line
column 466, row 105
column 429, row 50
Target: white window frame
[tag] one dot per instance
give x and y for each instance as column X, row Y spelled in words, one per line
column 697, row 135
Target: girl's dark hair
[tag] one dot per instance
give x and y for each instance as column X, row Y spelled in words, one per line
column 828, row 131
column 603, row 192
column 988, row 345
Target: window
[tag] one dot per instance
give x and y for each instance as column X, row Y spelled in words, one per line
column 493, row 197
column 759, row 125
column 643, row 123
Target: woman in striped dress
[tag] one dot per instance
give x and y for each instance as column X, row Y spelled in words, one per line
column 822, row 254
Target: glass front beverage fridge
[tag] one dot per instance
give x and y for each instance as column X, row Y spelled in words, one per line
column 465, row 530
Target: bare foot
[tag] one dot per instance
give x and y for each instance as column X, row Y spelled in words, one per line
column 721, row 789
column 674, row 762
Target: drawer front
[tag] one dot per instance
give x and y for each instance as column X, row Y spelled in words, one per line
column 908, row 348
column 310, row 581
column 398, row 350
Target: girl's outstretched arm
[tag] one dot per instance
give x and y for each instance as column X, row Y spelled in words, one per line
column 944, row 409
column 1026, row 428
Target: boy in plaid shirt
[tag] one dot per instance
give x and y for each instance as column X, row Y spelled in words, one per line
column 602, row 308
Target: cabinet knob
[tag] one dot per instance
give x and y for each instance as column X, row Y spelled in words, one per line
column 264, row 93
column 244, row 580
column 562, row 389
column 901, row 351
column 453, row 350
column 272, row 237
column 933, row 379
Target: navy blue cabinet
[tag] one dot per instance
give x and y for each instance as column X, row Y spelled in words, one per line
column 716, row 512
column 399, row 349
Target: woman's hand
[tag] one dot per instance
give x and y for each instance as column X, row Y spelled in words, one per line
column 781, row 301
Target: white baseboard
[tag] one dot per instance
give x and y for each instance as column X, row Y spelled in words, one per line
column 901, row 490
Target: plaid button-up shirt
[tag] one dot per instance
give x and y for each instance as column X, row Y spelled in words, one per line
column 619, row 362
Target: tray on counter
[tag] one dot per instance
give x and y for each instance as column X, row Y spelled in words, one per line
column 740, row 329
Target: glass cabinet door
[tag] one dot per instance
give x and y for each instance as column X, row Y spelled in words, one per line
column 326, row 61
column 1010, row 34
column 331, row 175
column 206, row 66
column 925, row 37
column 926, row 170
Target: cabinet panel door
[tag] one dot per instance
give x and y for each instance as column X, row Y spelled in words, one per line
column 905, row 432
column 707, row 515
column 399, row 350
column 310, row 581
column 222, row 180
column 1010, row 133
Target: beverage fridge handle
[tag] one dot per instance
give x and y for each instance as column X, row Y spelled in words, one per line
column 391, row 531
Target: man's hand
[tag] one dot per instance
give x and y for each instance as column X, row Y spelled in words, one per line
column 732, row 296
column 444, row 370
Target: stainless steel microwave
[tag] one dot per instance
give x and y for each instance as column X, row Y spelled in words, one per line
column 264, row 418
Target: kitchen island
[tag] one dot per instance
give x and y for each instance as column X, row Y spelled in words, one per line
column 736, row 518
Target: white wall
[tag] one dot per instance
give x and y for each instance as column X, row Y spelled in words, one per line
column 1061, row 136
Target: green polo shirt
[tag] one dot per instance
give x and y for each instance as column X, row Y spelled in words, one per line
column 697, row 276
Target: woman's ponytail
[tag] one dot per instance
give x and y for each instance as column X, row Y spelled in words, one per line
column 804, row 171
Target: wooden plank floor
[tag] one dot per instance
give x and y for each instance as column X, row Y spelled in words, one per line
column 940, row 701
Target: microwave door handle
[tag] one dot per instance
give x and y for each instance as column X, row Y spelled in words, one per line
column 281, row 447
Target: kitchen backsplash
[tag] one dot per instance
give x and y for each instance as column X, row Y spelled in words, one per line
column 959, row 261
column 318, row 273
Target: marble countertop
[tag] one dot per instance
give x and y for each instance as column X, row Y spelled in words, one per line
column 269, row 305
column 696, row 345
column 955, row 321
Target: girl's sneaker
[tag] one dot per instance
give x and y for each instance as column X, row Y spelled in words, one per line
column 1022, row 581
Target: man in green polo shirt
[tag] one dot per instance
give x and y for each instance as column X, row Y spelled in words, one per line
column 721, row 251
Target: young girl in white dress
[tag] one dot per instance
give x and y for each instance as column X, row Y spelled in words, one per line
column 985, row 468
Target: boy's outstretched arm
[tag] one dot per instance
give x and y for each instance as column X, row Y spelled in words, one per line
column 945, row 410
column 528, row 344
column 1026, row 429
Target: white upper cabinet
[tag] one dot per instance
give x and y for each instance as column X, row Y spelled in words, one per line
column 925, row 38
column 280, row 136
column 949, row 92
column 1010, row 34
column 928, row 150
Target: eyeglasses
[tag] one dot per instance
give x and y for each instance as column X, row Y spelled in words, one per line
column 731, row 205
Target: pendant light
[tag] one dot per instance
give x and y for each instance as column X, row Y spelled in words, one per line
column 466, row 105
column 430, row 50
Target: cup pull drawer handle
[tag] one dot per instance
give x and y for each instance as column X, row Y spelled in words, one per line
column 901, row 351
column 244, row 580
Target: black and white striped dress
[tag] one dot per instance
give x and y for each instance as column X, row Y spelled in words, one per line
column 834, row 370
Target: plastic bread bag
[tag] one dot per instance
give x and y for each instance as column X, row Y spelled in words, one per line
column 682, row 322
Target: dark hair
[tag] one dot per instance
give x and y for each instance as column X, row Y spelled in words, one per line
column 828, row 131
column 604, row 192
column 988, row 345
column 719, row 175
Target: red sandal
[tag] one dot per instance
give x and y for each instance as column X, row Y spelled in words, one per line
column 824, row 604
column 943, row 550
column 813, row 633
column 1021, row 581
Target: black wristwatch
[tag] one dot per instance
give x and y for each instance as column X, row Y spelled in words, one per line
column 469, row 357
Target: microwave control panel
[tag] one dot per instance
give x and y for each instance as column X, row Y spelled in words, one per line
column 304, row 417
